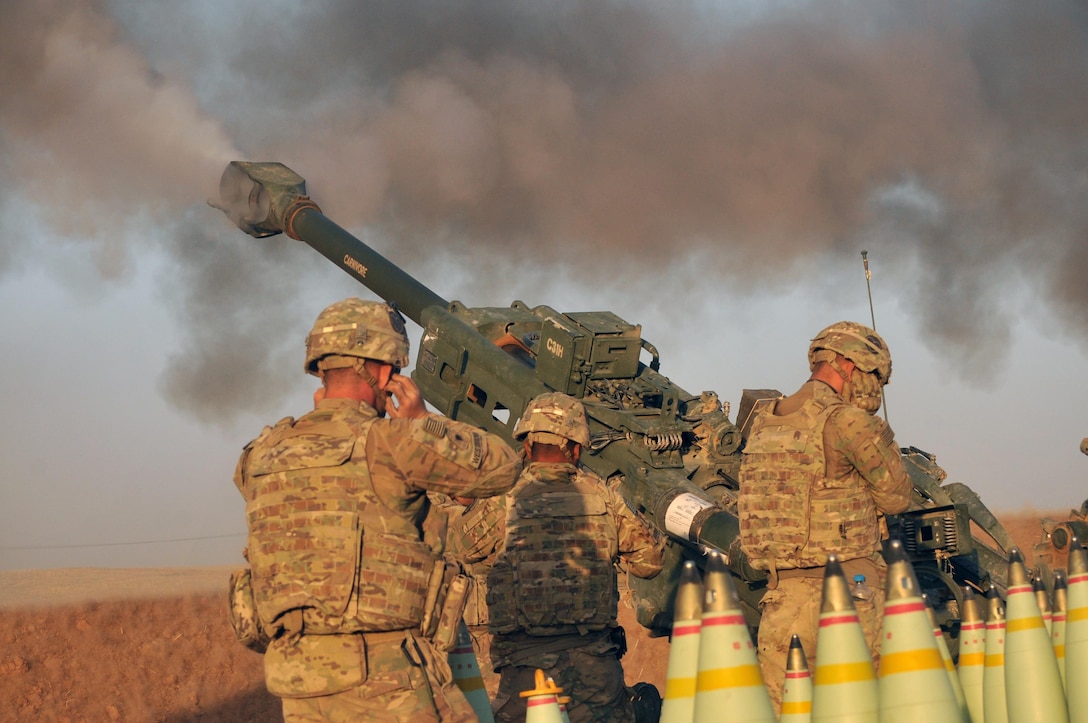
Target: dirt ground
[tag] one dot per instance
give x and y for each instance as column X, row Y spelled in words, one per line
column 155, row 645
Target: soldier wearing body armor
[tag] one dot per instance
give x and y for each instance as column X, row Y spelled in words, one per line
column 819, row 472
column 552, row 594
column 346, row 593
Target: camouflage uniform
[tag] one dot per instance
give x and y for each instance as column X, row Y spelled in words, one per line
column 816, row 474
column 474, row 539
column 345, row 573
column 552, row 594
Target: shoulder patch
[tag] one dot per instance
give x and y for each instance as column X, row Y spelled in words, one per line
column 457, row 442
column 435, row 426
column 887, row 436
column 477, row 450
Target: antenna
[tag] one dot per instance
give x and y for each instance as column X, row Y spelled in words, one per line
column 872, row 317
column 868, row 278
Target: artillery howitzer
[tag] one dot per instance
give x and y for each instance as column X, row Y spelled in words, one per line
column 674, row 456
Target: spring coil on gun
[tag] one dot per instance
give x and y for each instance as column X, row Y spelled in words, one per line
column 654, row 442
column 664, row 442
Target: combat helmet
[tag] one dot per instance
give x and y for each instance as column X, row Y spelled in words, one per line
column 553, row 418
column 357, row 329
column 859, row 344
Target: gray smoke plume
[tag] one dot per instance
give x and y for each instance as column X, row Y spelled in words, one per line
column 947, row 138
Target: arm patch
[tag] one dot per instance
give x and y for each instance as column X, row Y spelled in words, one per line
column 887, row 436
column 477, row 450
column 454, row 441
column 434, row 425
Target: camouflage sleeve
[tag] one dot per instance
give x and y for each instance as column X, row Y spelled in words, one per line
column 641, row 546
column 477, row 533
column 438, row 454
column 868, row 444
column 436, row 524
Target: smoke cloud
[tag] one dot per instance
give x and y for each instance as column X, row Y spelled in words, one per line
column 946, row 138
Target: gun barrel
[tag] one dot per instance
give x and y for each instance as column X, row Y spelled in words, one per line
column 267, row 198
column 365, row 264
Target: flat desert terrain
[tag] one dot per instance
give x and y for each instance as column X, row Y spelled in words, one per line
column 153, row 644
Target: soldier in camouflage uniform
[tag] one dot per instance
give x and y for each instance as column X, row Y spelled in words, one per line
column 819, row 471
column 552, row 594
column 348, row 596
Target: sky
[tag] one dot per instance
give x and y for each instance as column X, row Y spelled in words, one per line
column 711, row 171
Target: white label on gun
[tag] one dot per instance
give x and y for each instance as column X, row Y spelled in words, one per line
column 681, row 513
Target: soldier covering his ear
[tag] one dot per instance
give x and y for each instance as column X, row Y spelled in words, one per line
column 347, row 597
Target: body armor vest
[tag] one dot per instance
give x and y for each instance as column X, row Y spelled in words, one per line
column 320, row 540
column 556, row 575
column 791, row 514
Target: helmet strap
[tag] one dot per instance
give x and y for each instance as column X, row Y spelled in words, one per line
column 834, row 364
column 832, row 360
column 380, row 396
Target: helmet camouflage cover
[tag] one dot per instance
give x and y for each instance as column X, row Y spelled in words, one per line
column 553, row 418
column 859, row 344
column 357, row 329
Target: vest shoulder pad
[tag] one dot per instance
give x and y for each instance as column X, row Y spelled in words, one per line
column 301, row 445
column 563, row 502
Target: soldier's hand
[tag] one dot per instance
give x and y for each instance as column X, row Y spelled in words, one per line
column 405, row 399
